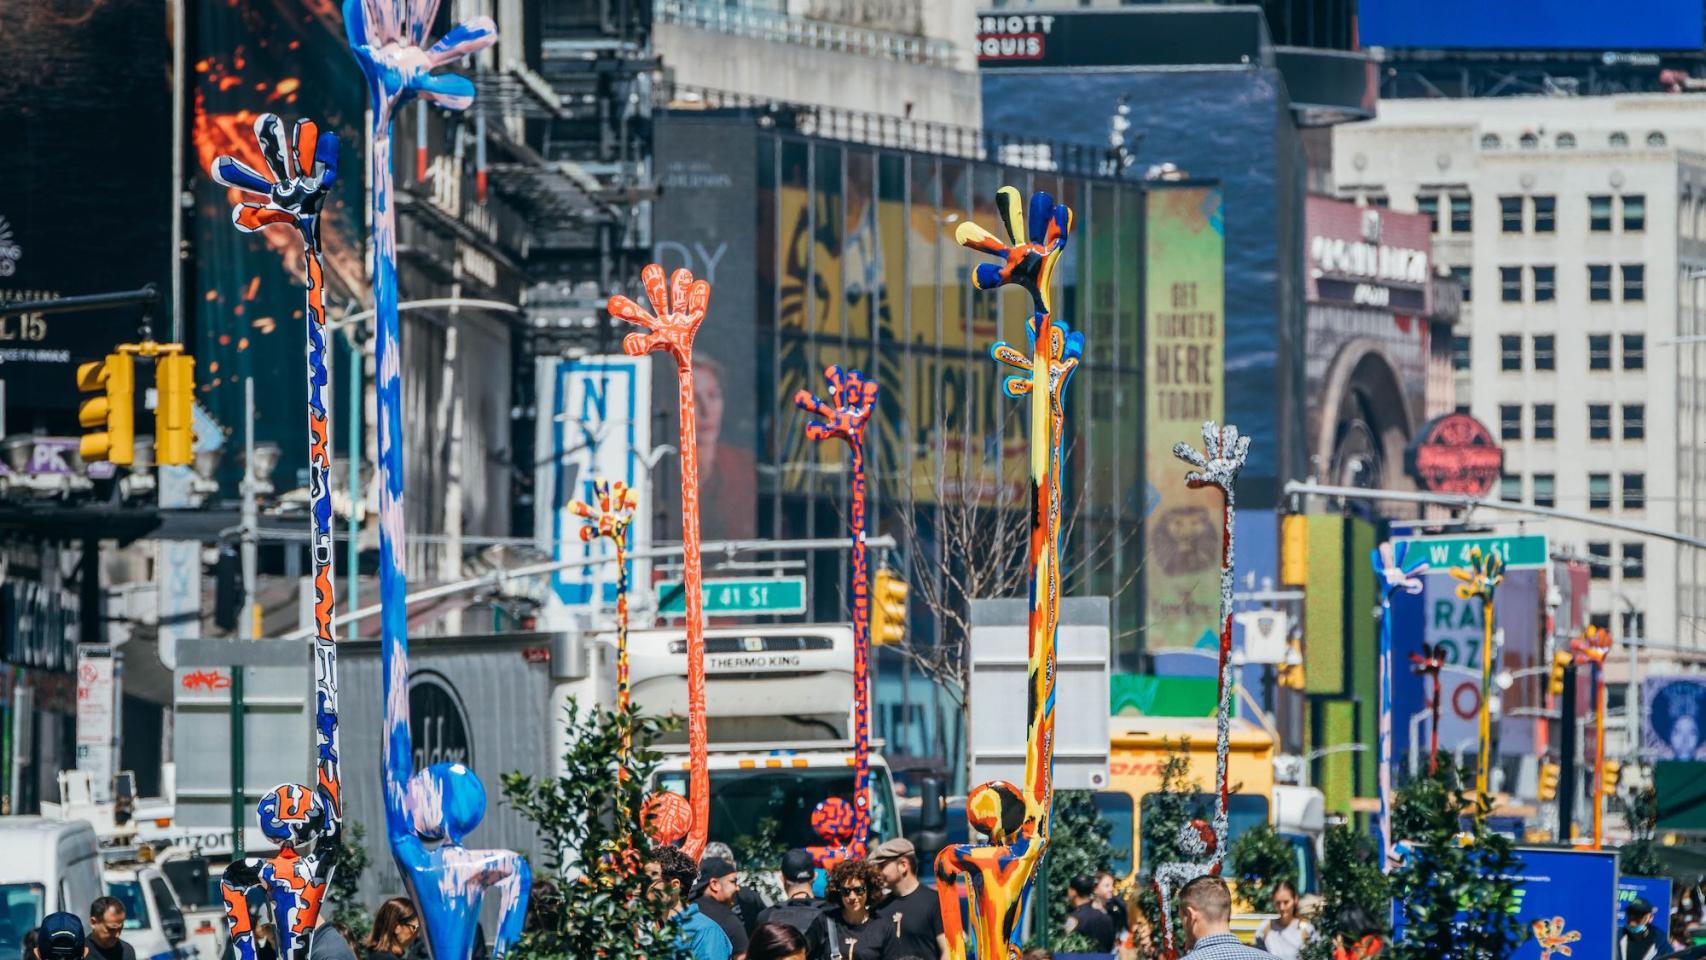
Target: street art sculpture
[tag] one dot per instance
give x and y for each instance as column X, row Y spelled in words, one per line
column 617, row 502
column 677, row 311
column 1480, row 581
column 1429, row 663
column 1392, row 566
column 1591, row 649
column 852, row 398
column 1015, row 821
column 428, row 812
column 306, row 822
column 1217, row 465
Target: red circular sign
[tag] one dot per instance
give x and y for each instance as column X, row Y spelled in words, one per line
column 1470, row 707
column 1455, row 453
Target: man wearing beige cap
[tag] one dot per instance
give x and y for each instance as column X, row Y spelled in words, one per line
column 913, row 909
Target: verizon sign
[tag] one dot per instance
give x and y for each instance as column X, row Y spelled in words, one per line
column 1368, row 256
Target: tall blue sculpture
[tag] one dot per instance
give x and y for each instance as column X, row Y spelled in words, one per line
column 428, row 813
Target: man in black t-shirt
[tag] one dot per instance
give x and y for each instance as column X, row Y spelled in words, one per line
column 106, row 922
column 799, row 909
column 913, row 908
column 1087, row 919
column 715, row 894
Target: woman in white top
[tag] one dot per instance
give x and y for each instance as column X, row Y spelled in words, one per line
column 1285, row 935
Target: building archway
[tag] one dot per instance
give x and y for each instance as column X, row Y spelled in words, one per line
column 1365, row 422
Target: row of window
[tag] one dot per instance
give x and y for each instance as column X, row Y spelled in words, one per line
column 1545, row 487
column 1536, row 213
column 1546, row 351
column 1545, row 422
column 1634, row 562
column 1543, row 284
column 1618, row 140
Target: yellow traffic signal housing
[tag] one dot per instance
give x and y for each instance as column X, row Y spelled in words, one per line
column 888, row 608
column 1294, row 550
column 1548, row 782
column 1613, row 769
column 115, row 378
column 1555, row 682
column 174, row 432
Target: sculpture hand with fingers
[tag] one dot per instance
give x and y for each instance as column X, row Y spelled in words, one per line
column 1396, row 572
column 1480, row 580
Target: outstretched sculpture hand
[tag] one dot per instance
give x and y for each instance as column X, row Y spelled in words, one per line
column 852, row 398
column 389, row 39
column 1065, row 350
column 1217, row 464
column 674, row 318
column 1552, row 939
column 304, row 821
column 1028, row 262
column 1481, row 577
column 1592, row 647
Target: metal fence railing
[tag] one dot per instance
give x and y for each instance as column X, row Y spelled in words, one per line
column 748, row 20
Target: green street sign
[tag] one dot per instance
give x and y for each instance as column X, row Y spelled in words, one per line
column 734, row 595
column 1519, row 553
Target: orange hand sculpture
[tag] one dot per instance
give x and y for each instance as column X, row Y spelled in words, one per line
column 1591, row 650
column 670, row 327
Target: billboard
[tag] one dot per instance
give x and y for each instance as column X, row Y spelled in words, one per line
column 1675, row 711
column 1184, row 308
column 86, row 198
column 1563, row 25
column 1567, row 904
column 1654, row 890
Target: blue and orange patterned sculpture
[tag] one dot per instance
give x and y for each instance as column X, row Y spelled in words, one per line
column 306, row 822
column 852, row 398
column 1015, row 820
column 1396, row 572
column 428, row 813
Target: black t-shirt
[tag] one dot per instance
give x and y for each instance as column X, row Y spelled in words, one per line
column 726, row 918
column 871, row 940
column 804, row 914
column 118, row 951
column 1117, row 914
column 748, row 905
column 1091, row 921
column 917, row 920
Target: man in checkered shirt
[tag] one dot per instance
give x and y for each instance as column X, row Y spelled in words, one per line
column 1205, row 913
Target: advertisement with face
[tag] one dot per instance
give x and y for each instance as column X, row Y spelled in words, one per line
column 1676, row 709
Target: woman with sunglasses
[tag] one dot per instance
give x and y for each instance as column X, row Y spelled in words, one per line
column 394, row 928
column 855, row 931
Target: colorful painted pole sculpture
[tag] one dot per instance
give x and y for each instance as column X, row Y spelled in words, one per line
column 442, row 804
column 1591, row 649
column 617, row 502
column 305, row 822
column 1429, row 663
column 1392, row 567
column 1481, row 580
column 852, row 399
column 1015, row 821
column 670, row 327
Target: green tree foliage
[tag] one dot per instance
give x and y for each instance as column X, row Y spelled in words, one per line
column 591, row 896
column 344, row 893
column 1078, row 844
column 1164, row 813
column 1350, row 877
column 1259, row 860
column 1640, row 812
column 1457, row 880
column 760, row 857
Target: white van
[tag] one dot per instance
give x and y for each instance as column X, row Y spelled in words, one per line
column 153, row 922
column 49, row 866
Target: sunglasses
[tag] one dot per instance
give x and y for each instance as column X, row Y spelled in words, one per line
column 856, row 891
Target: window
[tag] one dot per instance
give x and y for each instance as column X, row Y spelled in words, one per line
column 1634, row 561
column 1543, row 417
column 1115, row 809
column 1655, row 139
column 1545, row 214
column 1510, row 421
column 1380, row 200
column 1566, row 141
column 1634, row 351
column 1545, row 284
column 1545, row 490
column 1634, row 213
column 1462, row 214
column 1634, row 491
column 1634, row 282
column 1599, row 560
column 1599, row 491
column 1460, row 353
column 1510, row 487
column 1634, row 421
column 1528, row 141
column 1490, row 141
column 1599, row 351
column 1510, row 352
column 1462, row 275
column 1599, row 282
column 1428, row 203
column 1545, row 351
column 1510, row 284
column 1599, row 214
column 1599, row 421
column 1510, row 214
column 1634, row 624
column 1618, row 140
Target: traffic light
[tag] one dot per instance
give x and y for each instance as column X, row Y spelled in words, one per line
column 1560, row 664
column 174, row 433
column 1291, row 674
column 115, row 379
column 1548, row 782
column 888, row 608
column 1611, row 771
column 1294, row 550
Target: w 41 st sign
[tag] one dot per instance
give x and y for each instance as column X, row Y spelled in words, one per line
column 1519, row 553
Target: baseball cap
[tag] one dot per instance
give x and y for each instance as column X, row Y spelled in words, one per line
column 1638, row 907
column 798, row 866
column 60, row 937
column 893, row 850
column 710, row 868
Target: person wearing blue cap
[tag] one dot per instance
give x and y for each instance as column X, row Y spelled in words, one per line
column 60, row 937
